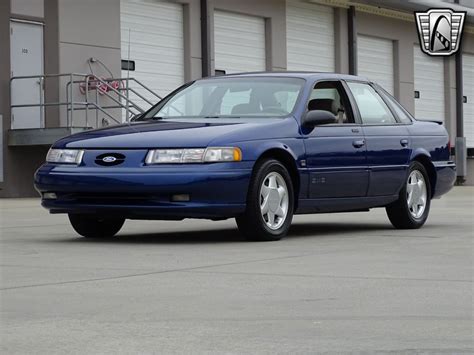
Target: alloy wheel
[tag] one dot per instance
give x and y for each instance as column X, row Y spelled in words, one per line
column 274, row 200
column 416, row 194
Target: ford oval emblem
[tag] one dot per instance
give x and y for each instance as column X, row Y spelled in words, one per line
column 109, row 159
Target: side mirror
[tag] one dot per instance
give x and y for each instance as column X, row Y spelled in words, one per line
column 318, row 117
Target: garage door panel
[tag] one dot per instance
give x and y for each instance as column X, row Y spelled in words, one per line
column 166, row 69
column 143, row 30
column 310, row 37
column 239, row 42
column 149, row 40
column 147, row 52
column 468, row 88
column 156, row 43
column 230, row 42
column 375, row 60
column 429, row 82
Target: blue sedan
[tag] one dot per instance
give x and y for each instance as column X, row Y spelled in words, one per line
column 257, row 147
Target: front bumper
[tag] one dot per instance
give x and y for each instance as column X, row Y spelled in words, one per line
column 215, row 190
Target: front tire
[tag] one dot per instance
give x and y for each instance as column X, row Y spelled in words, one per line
column 92, row 226
column 270, row 203
column 411, row 209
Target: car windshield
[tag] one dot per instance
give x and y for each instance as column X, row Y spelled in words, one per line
column 231, row 98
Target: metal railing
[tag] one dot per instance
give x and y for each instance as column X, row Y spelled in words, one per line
column 92, row 87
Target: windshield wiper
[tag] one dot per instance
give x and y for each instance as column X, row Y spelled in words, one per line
column 221, row 116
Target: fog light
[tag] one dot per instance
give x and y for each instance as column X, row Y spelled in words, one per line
column 180, row 198
column 49, row 196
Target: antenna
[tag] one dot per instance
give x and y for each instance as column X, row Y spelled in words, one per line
column 128, row 77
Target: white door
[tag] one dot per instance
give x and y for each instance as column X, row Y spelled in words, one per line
column 239, row 42
column 375, row 60
column 309, row 37
column 468, row 92
column 26, row 58
column 429, row 85
column 156, row 46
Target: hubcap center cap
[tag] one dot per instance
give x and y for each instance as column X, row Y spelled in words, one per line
column 273, row 200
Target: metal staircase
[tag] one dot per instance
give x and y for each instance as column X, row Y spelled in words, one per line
column 86, row 100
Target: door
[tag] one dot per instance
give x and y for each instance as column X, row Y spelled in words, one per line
column 26, row 58
column 388, row 142
column 156, row 46
column 375, row 60
column 309, row 36
column 429, row 86
column 468, row 107
column 239, row 42
column 335, row 153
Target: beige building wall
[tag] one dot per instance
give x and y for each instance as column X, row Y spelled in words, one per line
column 19, row 163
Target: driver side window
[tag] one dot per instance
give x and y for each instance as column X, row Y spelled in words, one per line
column 330, row 96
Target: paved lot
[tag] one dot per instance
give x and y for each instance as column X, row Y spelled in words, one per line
column 338, row 283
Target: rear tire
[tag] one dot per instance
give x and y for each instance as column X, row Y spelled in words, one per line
column 411, row 209
column 92, row 226
column 270, row 203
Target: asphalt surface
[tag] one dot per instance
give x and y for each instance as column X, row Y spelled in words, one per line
column 338, row 283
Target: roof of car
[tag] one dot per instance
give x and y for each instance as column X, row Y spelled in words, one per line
column 296, row 74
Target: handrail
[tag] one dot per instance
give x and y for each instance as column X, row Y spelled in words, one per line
column 116, row 95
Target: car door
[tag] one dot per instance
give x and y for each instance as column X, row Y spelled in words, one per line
column 387, row 140
column 335, row 153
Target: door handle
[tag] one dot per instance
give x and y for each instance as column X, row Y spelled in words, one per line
column 358, row 143
column 404, row 142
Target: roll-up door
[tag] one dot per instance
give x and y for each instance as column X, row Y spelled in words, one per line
column 375, row 60
column 468, row 92
column 429, row 86
column 309, row 37
column 156, row 44
column 239, row 42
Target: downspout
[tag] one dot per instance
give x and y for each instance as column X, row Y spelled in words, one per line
column 351, row 22
column 205, row 39
column 460, row 144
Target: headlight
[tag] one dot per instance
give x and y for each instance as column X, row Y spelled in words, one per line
column 65, row 156
column 193, row 155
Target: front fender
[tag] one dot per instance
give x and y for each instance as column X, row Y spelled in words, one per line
column 253, row 150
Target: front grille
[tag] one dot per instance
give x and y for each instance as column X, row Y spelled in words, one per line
column 109, row 159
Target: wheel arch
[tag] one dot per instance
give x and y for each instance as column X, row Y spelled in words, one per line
column 425, row 160
column 285, row 157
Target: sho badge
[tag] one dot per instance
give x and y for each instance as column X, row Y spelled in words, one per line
column 440, row 31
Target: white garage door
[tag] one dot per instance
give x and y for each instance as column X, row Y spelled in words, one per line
column 375, row 60
column 309, row 37
column 156, row 44
column 468, row 88
column 239, row 42
column 429, row 82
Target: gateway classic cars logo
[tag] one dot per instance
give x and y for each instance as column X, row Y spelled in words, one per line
column 440, row 31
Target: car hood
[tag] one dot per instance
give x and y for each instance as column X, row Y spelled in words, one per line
column 169, row 134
